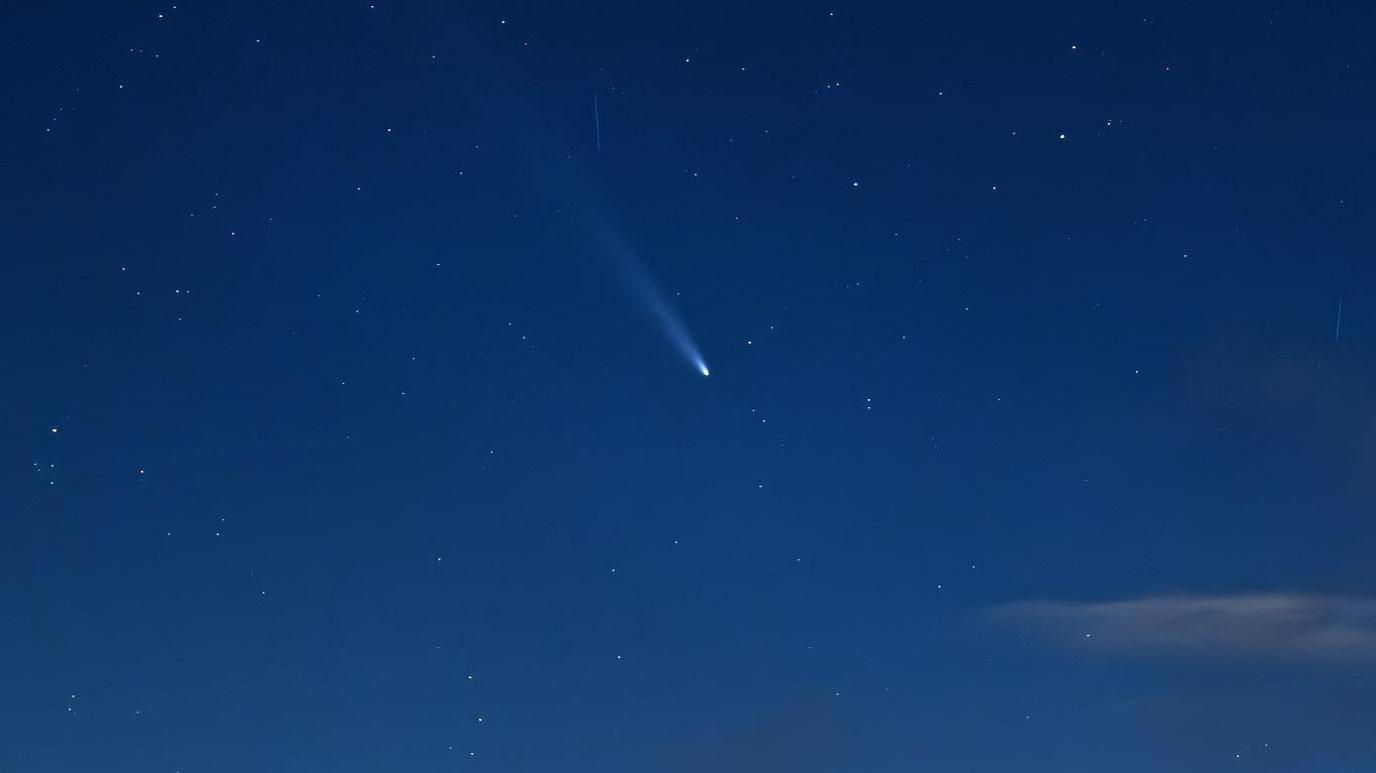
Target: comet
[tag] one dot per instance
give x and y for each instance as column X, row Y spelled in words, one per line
column 652, row 300
column 643, row 289
column 592, row 218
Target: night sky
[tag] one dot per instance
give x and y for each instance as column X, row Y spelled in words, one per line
column 354, row 413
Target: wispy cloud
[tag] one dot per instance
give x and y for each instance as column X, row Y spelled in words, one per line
column 1302, row 627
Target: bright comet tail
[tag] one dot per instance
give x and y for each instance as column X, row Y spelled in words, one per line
column 647, row 294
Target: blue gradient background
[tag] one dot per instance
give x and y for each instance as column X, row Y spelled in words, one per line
column 350, row 409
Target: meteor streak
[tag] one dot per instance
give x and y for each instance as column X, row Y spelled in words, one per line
column 597, row 124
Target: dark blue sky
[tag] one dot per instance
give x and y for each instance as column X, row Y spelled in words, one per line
column 333, row 440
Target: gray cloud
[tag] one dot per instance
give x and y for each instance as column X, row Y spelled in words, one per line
column 1274, row 625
